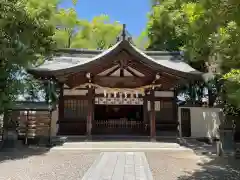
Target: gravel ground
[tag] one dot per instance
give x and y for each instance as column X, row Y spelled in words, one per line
column 172, row 165
column 45, row 165
column 72, row 165
column 189, row 166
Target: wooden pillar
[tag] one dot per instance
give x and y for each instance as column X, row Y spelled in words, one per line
column 145, row 110
column 60, row 106
column 61, row 102
column 90, row 112
column 152, row 116
column 145, row 115
column 175, row 112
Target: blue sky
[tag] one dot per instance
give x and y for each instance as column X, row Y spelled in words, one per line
column 133, row 13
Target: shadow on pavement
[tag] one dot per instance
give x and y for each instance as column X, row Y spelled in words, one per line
column 218, row 168
column 8, row 154
column 214, row 168
column 198, row 147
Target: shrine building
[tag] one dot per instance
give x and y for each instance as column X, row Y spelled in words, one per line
column 118, row 91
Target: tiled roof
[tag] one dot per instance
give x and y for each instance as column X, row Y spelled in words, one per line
column 69, row 59
column 31, row 106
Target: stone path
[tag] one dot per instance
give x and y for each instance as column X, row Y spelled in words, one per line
column 120, row 166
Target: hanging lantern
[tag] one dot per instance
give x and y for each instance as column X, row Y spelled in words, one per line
column 115, row 94
column 105, row 93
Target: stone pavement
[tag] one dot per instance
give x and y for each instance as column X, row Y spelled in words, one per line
column 120, row 166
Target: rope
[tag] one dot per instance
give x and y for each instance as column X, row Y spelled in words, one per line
column 125, row 90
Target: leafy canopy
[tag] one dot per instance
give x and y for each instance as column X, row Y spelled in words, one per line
column 25, row 35
column 207, row 31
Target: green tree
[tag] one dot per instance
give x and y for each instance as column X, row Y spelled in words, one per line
column 232, row 87
column 99, row 33
column 73, row 32
column 25, row 35
column 207, row 31
column 67, row 26
column 142, row 42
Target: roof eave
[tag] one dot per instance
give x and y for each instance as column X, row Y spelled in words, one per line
column 123, row 44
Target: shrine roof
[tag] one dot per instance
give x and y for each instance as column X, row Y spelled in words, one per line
column 72, row 60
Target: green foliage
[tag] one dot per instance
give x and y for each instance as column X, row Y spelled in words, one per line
column 69, row 32
column 207, row 31
column 24, row 36
column 73, row 32
column 142, row 42
column 232, row 87
column 99, row 33
column 31, row 29
column 161, row 26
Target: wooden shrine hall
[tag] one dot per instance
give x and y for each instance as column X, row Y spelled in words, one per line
column 118, row 91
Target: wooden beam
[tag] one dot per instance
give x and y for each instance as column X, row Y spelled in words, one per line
column 122, row 82
column 170, row 72
column 112, row 71
column 141, row 68
column 121, row 72
column 166, row 81
column 131, row 72
column 76, row 79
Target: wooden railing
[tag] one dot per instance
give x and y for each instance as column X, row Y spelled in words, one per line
column 32, row 125
column 118, row 123
column 119, row 127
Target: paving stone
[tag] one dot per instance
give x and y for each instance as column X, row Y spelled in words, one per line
column 119, row 166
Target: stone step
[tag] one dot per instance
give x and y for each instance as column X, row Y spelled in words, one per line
column 120, row 146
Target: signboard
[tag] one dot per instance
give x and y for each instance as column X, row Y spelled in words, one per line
column 119, row 101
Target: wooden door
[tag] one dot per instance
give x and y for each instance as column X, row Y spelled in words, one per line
column 186, row 122
column 75, row 117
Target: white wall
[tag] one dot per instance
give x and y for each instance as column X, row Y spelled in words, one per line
column 204, row 121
